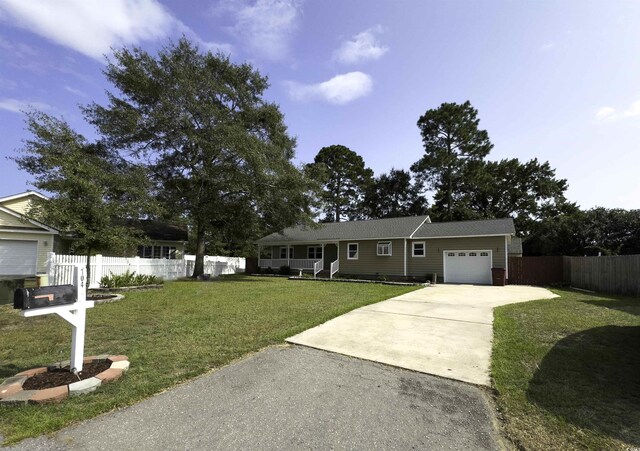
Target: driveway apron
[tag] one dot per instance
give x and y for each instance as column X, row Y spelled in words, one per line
column 445, row 330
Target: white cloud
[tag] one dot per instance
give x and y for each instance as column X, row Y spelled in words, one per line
column 362, row 47
column 92, row 27
column 338, row 90
column 605, row 112
column 18, row 106
column 265, row 26
column 609, row 114
column 75, row 91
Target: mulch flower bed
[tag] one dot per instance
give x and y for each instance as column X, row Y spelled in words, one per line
column 63, row 376
column 56, row 382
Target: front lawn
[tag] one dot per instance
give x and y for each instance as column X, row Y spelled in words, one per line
column 171, row 335
column 567, row 372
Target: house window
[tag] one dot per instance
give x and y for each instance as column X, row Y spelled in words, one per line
column 283, row 252
column 314, row 252
column 384, row 248
column 418, row 249
column 168, row 252
column 352, row 251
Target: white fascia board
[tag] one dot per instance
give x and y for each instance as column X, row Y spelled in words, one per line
column 25, row 194
column 24, row 218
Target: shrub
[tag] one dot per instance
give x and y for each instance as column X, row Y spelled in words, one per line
column 128, row 279
column 269, row 270
column 285, row 270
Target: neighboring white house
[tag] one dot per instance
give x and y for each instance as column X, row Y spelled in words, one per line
column 24, row 242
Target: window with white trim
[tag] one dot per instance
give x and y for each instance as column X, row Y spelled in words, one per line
column 168, row 252
column 352, row 251
column 314, row 252
column 384, row 248
column 283, row 252
column 418, row 249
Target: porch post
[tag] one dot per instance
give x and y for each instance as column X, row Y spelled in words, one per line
column 288, row 256
column 259, row 252
column 323, row 244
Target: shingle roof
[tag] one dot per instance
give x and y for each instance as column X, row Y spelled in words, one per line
column 157, row 230
column 353, row 230
column 391, row 228
column 466, row 228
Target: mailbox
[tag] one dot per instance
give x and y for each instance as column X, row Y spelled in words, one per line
column 31, row 298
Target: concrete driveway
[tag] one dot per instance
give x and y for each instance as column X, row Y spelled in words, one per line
column 445, row 330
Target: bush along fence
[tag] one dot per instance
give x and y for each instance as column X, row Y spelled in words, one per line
column 60, row 267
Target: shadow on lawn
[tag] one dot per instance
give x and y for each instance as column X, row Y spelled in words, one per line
column 8, row 370
column 592, row 379
column 627, row 305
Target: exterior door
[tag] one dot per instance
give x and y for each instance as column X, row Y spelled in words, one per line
column 18, row 258
column 467, row 267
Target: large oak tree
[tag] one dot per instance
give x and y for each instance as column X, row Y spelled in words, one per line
column 219, row 152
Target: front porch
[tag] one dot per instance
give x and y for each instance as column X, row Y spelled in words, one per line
column 312, row 257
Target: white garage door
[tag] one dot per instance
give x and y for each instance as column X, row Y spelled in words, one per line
column 18, row 258
column 467, row 267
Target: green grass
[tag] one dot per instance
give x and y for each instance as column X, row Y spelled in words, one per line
column 567, row 372
column 170, row 335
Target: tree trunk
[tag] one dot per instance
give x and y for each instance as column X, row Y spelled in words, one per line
column 198, row 268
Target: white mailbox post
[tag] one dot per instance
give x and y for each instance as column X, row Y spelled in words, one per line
column 75, row 314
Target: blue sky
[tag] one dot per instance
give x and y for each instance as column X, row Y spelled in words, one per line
column 557, row 81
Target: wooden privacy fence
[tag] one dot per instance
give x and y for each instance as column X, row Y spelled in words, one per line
column 60, row 267
column 546, row 270
column 610, row 274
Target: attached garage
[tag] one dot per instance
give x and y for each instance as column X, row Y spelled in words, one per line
column 472, row 266
column 18, row 257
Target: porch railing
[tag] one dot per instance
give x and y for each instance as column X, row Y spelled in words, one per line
column 335, row 267
column 317, row 267
column 293, row 263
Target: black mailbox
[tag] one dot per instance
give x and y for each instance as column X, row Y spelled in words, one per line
column 28, row 298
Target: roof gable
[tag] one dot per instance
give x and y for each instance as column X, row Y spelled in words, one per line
column 14, row 220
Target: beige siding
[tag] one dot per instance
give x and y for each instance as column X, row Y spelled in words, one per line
column 8, row 220
column 45, row 245
column 20, row 205
column 432, row 263
column 368, row 263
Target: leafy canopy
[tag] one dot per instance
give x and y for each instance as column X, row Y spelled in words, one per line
column 219, row 153
column 395, row 195
column 451, row 140
column 344, row 179
column 94, row 190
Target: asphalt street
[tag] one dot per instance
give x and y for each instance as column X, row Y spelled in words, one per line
column 298, row 398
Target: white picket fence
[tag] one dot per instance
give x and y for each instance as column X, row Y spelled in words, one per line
column 60, row 267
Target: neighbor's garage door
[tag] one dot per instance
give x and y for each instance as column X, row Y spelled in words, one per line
column 467, row 267
column 18, row 258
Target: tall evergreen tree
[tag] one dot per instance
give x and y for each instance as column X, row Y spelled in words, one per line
column 452, row 140
column 214, row 145
column 395, row 195
column 344, row 178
